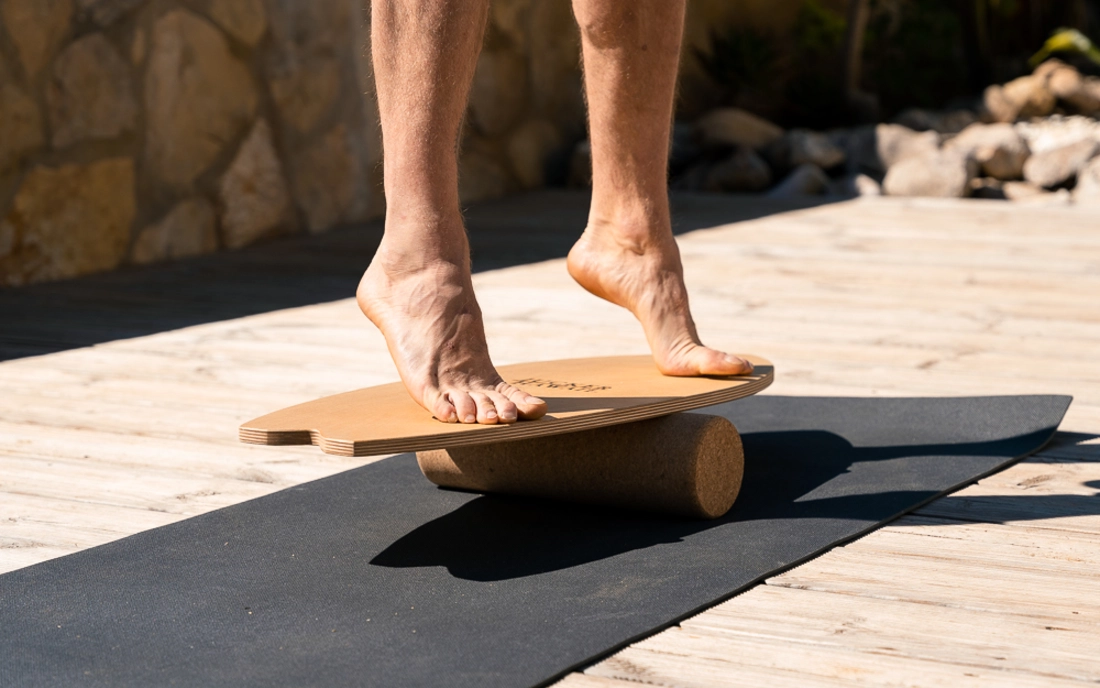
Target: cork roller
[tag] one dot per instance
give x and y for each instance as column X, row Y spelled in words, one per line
column 687, row 464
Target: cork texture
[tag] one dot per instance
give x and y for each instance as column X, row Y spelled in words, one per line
column 686, row 464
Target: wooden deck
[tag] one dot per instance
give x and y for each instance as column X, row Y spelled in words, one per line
column 998, row 584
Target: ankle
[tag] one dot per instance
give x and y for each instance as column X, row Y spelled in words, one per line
column 415, row 241
column 635, row 231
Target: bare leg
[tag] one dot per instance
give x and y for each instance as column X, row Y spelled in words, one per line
column 417, row 289
column 627, row 253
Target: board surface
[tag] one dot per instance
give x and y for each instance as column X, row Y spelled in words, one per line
column 581, row 393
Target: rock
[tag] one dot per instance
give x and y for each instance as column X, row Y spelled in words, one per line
column 803, row 147
column 20, row 123
column 190, row 229
column 68, row 221
column 944, row 174
column 498, row 95
column 580, row 165
column 480, row 177
column 1087, row 191
column 1056, row 131
column 736, row 127
column 999, row 149
column 1022, row 98
column 876, row 148
column 1059, row 166
column 855, row 185
column 328, row 181
column 529, row 151
column 198, row 98
column 743, row 170
column 919, row 119
column 553, row 50
column 987, row 187
column 805, row 180
column 37, row 28
column 1016, row 191
column 91, row 95
column 511, row 18
column 308, row 59
column 684, row 149
column 253, row 194
column 245, row 20
column 107, row 12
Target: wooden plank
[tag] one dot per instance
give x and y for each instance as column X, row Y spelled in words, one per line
column 1029, row 645
column 680, row 658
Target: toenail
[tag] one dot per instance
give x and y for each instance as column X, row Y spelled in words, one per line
column 491, row 414
column 470, row 419
column 533, row 400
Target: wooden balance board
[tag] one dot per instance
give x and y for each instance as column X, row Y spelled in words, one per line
column 612, row 436
column 581, row 394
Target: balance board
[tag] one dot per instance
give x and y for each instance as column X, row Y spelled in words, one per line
column 612, row 435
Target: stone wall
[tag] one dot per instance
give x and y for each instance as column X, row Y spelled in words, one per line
column 144, row 130
column 136, row 131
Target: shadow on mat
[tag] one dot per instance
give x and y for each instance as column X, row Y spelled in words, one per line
column 494, row 537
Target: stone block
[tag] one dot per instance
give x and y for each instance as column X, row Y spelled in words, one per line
column 68, row 221
column 107, row 12
column 1059, row 166
column 20, row 123
column 253, row 193
column 189, row 229
column 498, row 95
column 37, row 28
column 245, row 20
column 91, row 95
column 743, row 170
column 328, row 180
column 529, row 150
column 736, row 127
column 998, row 149
column 805, row 180
column 1087, row 191
column 481, row 177
column 944, row 174
column 199, row 98
column 804, row 147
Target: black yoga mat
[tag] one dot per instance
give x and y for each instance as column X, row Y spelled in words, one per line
column 374, row 577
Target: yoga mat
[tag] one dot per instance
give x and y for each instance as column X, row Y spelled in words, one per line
column 374, row 577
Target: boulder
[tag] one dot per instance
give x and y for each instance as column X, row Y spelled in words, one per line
column 91, row 95
column 37, row 28
column 855, row 185
column 998, row 149
column 20, row 123
column 481, row 177
column 804, row 147
column 198, row 98
column 951, row 122
column 308, row 62
column 106, row 12
column 987, row 187
column 1078, row 93
column 1018, row 191
column 245, row 20
column 580, row 165
column 1022, row 98
column 253, row 192
column 189, row 229
column 529, row 150
column 69, row 220
column 1059, row 166
column 553, row 51
column 805, row 180
column 1087, row 191
column 943, row 174
column 498, row 95
column 876, row 148
column 736, row 127
column 328, row 180
column 743, row 170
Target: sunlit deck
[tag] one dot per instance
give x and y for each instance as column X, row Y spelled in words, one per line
column 103, row 436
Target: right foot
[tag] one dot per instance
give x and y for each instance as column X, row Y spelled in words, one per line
column 423, row 302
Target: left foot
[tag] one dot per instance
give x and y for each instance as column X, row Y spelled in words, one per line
column 639, row 269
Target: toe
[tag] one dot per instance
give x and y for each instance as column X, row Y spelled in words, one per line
column 442, row 408
column 506, row 410
column 527, row 407
column 700, row 360
column 486, row 409
column 464, row 405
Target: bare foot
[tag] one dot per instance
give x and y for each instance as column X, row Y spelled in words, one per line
column 640, row 270
column 423, row 302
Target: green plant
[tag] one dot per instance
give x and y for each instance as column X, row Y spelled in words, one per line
column 1065, row 40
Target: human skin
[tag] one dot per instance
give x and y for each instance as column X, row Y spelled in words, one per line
column 418, row 289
